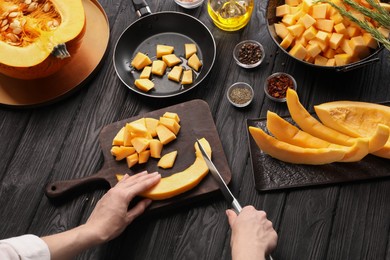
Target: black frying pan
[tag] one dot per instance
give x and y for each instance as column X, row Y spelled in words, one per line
column 170, row 28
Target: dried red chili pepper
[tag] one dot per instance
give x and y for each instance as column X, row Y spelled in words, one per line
column 277, row 85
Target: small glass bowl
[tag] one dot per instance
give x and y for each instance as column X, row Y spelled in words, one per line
column 237, row 98
column 189, row 4
column 236, row 52
column 278, row 75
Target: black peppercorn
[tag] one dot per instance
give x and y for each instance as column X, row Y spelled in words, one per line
column 249, row 53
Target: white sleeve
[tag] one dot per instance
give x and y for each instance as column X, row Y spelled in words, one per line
column 26, row 247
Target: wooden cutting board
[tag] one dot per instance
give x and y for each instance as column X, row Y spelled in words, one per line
column 196, row 121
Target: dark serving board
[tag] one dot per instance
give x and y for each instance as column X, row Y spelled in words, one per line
column 196, row 121
column 272, row 174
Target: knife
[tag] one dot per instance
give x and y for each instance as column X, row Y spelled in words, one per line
column 221, row 183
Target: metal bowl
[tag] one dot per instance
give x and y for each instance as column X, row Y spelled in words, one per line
column 241, row 103
column 236, row 53
column 271, row 19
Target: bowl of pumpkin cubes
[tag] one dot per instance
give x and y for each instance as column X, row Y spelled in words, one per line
column 324, row 33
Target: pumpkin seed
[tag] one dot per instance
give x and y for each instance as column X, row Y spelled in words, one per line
column 15, row 24
column 4, row 27
column 12, row 37
column 4, row 22
column 27, row 2
column 13, row 14
column 46, row 7
column 32, row 7
column 17, row 30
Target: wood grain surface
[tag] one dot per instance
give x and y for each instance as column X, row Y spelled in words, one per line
column 61, row 141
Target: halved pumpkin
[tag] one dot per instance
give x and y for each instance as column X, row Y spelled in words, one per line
column 38, row 38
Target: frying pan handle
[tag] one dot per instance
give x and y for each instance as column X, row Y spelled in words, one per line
column 141, row 7
column 60, row 188
column 357, row 65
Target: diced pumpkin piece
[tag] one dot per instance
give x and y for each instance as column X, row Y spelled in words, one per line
column 143, row 157
column 281, row 30
column 331, row 62
column 282, row 10
column 121, row 152
column 310, row 33
column 319, row 11
column 323, row 36
column 353, row 31
column 370, row 41
column 172, row 115
column 313, row 49
column 358, row 46
column 337, row 18
column 155, row 147
column 151, row 124
column 171, row 60
column 325, row 25
column 287, row 41
column 168, row 160
column 307, row 21
column 158, row 67
column 138, row 127
column 335, row 40
column 162, row 50
column 187, row 77
column 289, row 19
column 118, row 139
column 171, row 124
column 194, row 62
column 140, row 143
column 132, row 160
column 140, row 61
column 296, row 30
column 145, row 74
column 298, row 51
column 189, row 49
column 320, row 60
column 144, row 84
column 307, row 5
column 164, row 134
column 329, row 53
column 323, row 45
column 293, row 2
column 175, row 73
column 342, row 59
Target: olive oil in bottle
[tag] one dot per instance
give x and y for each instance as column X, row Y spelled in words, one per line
column 230, row 15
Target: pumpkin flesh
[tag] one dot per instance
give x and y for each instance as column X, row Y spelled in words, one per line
column 31, row 31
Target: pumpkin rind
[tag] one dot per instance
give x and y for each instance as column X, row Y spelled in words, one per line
column 35, row 59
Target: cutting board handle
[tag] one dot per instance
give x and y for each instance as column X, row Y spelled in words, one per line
column 67, row 187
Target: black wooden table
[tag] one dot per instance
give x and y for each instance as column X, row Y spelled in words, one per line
column 60, row 141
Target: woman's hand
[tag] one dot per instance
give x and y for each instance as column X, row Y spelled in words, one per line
column 111, row 214
column 253, row 236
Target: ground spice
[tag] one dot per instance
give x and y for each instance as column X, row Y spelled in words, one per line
column 277, row 85
column 249, row 53
column 240, row 95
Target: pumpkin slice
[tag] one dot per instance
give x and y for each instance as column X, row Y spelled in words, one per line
column 183, row 181
column 358, row 119
column 286, row 132
column 40, row 37
column 168, row 160
column 292, row 153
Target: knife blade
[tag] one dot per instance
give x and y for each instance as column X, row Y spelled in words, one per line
column 220, row 181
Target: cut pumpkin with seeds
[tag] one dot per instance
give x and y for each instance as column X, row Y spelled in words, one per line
column 294, row 154
column 358, row 119
column 286, row 132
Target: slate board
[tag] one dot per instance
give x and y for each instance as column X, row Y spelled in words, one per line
column 196, row 121
column 272, row 174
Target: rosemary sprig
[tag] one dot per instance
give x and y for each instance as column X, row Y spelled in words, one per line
column 377, row 35
column 381, row 16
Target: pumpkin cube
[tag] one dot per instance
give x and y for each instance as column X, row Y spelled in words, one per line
column 335, row 40
column 143, row 157
column 140, row 143
column 172, row 115
column 307, row 21
column 358, row 46
column 331, row 62
column 171, row 124
column 337, row 18
column 370, row 41
column 145, row 74
column 329, row 53
column 323, row 36
column 151, row 124
column 282, row 10
column 187, row 77
column 118, row 139
column 319, row 11
column 289, row 19
column 298, row 51
column 307, row 5
column 320, row 60
column 323, row 45
column 189, row 49
column 325, row 25
column 310, row 33
column 175, row 73
column 164, row 134
column 194, row 62
column 313, row 49
column 158, row 67
column 144, row 84
column 140, row 61
column 287, row 41
column 342, row 59
column 132, row 160
column 296, row 30
column 137, row 127
column 340, row 28
column 162, row 50
column 171, row 60
column 121, row 152
column 293, row 2
column 167, row 160
column 346, row 47
column 353, row 31
column 281, row 30
column 155, row 147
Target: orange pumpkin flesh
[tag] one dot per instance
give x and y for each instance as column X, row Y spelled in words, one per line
column 38, row 37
